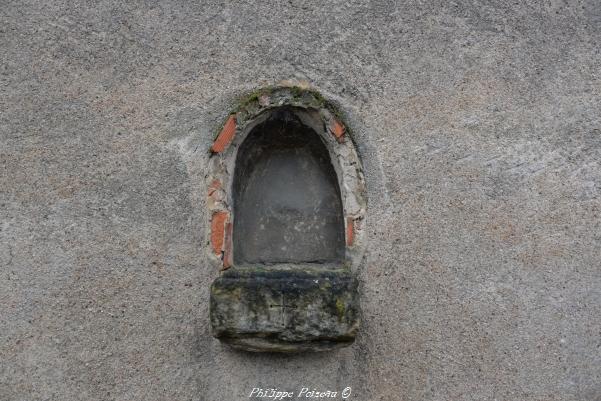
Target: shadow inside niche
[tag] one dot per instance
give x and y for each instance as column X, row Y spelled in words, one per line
column 287, row 201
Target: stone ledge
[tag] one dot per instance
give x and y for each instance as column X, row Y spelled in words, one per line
column 282, row 309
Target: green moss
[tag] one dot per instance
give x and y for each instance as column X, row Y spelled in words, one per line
column 252, row 98
column 318, row 100
column 296, row 91
column 248, row 104
column 247, row 100
column 294, row 95
column 340, row 308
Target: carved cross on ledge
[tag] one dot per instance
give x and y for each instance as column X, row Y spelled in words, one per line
column 283, row 306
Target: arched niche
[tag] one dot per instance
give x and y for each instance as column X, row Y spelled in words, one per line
column 287, row 204
column 287, row 208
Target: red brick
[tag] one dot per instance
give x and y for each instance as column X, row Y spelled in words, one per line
column 350, row 231
column 217, row 231
column 225, row 136
column 337, row 129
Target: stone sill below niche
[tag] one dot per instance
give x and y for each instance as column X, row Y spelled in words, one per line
column 285, row 308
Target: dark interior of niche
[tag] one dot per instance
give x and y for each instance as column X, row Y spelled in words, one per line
column 287, row 204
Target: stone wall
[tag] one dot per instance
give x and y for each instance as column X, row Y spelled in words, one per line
column 479, row 128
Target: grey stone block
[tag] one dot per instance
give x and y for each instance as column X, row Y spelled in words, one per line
column 285, row 309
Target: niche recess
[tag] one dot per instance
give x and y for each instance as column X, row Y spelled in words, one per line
column 287, row 206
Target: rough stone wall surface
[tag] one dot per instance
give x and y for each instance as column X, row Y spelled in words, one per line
column 479, row 127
